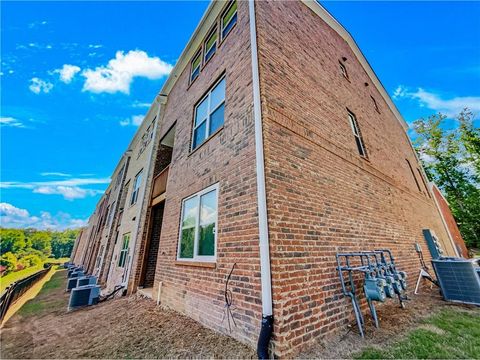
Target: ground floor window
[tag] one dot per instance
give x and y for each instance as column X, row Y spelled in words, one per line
column 124, row 251
column 198, row 235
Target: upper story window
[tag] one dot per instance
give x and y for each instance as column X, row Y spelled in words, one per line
column 356, row 133
column 229, row 18
column 343, row 69
column 124, row 251
column 375, row 105
column 136, row 188
column 209, row 114
column 198, row 226
column 211, row 44
column 195, row 66
column 413, row 174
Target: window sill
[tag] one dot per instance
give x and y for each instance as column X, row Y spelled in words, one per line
column 210, row 265
column 206, row 140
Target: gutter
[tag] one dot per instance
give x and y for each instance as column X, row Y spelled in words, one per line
column 160, row 100
column 265, row 276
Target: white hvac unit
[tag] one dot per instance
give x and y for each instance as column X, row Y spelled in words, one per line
column 84, row 296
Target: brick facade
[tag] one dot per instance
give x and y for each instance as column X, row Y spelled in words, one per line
column 322, row 196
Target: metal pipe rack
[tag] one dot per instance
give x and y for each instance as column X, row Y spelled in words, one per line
column 381, row 280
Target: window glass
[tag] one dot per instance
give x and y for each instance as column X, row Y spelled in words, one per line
column 199, row 134
column 124, row 250
column 202, row 110
column 195, row 67
column 209, row 114
column 229, row 19
column 198, row 228
column 356, row 133
column 216, row 120
column 211, row 45
column 208, row 215
column 136, row 187
column 217, row 95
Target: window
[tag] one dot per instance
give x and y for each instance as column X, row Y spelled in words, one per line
column 423, row 180
column 356, row 133
column 136, row 187
column 195, row 66
column 209, row 114
column 229, row 18
column 211, row 44
column 198, row 226
column 375, row 105
column 413, row 174
column 343, row 69
column 124, row 251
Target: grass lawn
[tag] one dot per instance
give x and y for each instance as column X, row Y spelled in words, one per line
column 451, row 334
column 18, row 275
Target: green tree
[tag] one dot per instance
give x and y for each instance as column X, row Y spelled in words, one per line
column 11, row 240
column 41, row 240
column 9, row 261
column 62, row 243
column 447, row 156
column 470, row 138
column 30, row 260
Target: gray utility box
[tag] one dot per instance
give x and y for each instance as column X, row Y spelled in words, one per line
column 459, row 279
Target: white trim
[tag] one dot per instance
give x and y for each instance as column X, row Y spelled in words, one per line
column 264, row 244
column 198, row 196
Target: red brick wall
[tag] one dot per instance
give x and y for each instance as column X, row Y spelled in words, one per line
column 322, row 197
column 228, row 159
column 450, row 221
column 153, row 246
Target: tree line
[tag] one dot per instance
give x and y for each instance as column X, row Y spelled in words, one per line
column 23, row 248
column 451, row 158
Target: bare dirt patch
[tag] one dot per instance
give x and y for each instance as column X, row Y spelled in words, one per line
column 395, row 323
column 129, row 327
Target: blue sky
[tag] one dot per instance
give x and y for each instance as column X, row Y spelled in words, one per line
column 63, row 126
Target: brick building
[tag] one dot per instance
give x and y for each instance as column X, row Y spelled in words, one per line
column 271, row 147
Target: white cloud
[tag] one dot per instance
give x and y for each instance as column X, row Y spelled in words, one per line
column 138, row 104
column 119, row 73
column 68, row 192
column 53, row 173
column 13, row 217
column 38, row 85
column 95, row 46
column 67, row 72
column 12, row 122
column 434, row 101
column 68, row 188
column 135, row 120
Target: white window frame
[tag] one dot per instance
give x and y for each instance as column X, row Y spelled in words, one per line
column 224, row 13
column 209, row 113
column 198, row 258
column 124, row 250
column 356, row 132
column 135, row 189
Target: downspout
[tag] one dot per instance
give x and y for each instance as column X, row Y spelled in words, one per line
column 160, row 100
column 265, row 277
